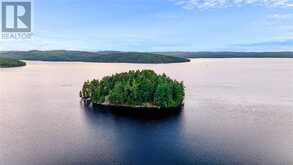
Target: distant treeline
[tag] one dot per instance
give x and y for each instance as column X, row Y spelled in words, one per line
column 229, row 54
column 133, row 57
column 83, row 56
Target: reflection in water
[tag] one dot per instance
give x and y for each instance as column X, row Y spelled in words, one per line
column 155, row 139
column 138, row 137
column 141, row 115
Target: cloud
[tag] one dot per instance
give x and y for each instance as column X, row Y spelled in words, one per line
column 206, row 4
column 282, row 17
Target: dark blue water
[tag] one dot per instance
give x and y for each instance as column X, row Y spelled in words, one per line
column 231, row 116
column 147, row 139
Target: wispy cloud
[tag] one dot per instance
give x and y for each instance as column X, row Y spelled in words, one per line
column 281, row 17
column 206, row 4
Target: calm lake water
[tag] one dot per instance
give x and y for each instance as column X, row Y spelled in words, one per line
column 237, row 111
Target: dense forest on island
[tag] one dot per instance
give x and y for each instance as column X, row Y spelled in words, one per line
column 135, row 89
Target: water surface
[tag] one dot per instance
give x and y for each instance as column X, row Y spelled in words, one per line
column 237, row 111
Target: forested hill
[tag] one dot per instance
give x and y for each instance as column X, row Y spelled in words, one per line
column 82, row 56
column 133, row 57
column 229, row 54
column 8, row 63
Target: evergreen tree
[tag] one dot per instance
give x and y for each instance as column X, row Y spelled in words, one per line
column 135, row 88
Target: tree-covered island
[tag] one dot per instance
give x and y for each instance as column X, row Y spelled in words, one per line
column 135, row 89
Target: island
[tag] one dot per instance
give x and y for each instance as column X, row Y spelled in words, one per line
column 8, row 63
column 85, row 56
column 135, row 89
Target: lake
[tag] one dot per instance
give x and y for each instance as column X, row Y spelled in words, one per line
column 237, row 111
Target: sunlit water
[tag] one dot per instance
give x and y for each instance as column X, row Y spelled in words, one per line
column 237, row 111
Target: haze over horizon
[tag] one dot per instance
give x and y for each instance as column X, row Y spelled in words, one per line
column 160, row 25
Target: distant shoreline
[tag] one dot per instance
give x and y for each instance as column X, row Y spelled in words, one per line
column 99, row 57
column 11, row 63
column 132, row 57
column 229, row 54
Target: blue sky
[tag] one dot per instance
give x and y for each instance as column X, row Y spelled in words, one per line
column 160, row 25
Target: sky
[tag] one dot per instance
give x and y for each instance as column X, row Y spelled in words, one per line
column 159, row 25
